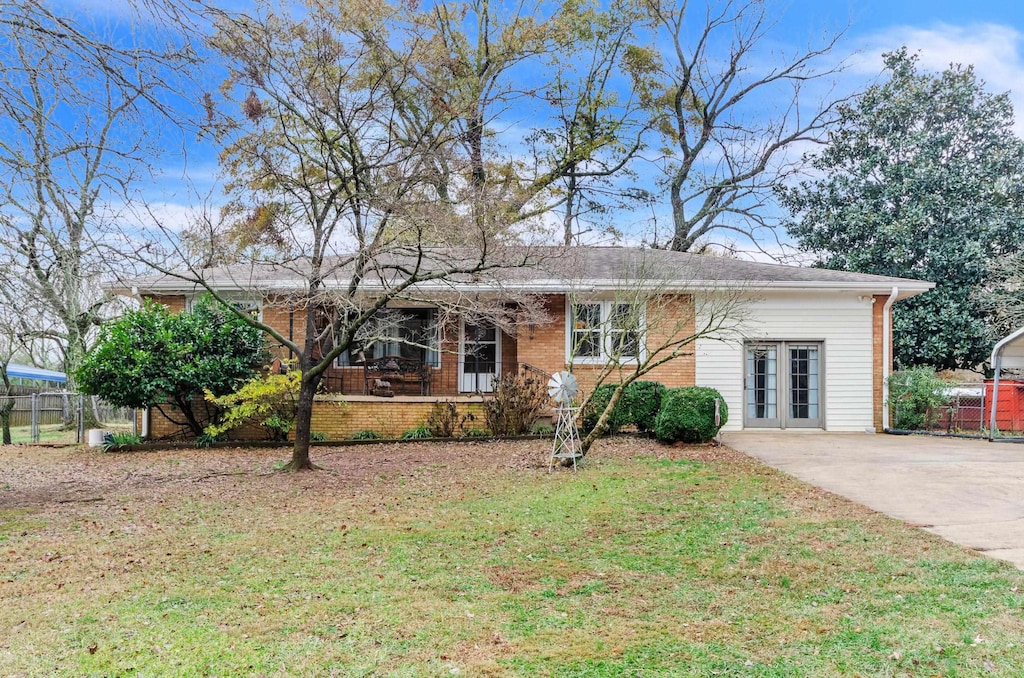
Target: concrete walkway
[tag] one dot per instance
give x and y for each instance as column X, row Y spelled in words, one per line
column 970, row 492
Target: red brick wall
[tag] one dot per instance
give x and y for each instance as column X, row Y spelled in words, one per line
column 175, row 302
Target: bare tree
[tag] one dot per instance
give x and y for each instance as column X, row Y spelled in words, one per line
column 729, row 111
column 347, row 171
column 653, row 317
column 76, row 118
column 1004, row 298
column 21, row 322
column 589, row 109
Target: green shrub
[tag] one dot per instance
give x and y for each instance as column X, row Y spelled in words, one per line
column 443, row 419
column 640, row 404
column 365, row 434
column 422, row 431
column 596, row 405
column 688, row 415
column 541, row 429
column 207, row 440
column 270, row 400
column 476, row 432
column 917, row 396
column 112, row 441
column 317, row 436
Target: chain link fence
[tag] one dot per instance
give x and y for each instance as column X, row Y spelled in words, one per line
column 62, row 417
column 967, row 410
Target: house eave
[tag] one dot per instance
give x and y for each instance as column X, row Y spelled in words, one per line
column 907, row 288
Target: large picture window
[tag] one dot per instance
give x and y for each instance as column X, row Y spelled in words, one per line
column 407, row 333
column 605, row 331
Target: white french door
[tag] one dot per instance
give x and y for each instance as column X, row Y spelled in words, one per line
column 479, row 357
column 782, row 384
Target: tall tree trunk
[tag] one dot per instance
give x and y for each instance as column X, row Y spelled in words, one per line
column 303, row 419
column 73, row 356
column 569, row 220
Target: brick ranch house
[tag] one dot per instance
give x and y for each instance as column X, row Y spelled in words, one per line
column 812, row 347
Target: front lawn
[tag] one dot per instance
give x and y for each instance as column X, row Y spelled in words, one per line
column 471, row 559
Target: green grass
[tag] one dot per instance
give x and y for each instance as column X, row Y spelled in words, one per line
column 56, row 433
column 633, row 565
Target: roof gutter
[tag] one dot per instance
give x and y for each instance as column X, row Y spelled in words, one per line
column 887, row 353
column 558, row 286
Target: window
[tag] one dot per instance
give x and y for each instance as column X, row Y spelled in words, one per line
column 586, row 330
column 408, row 333
column 624, row 331
column 605, row 330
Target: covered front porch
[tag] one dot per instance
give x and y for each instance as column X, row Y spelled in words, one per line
column 421, row 358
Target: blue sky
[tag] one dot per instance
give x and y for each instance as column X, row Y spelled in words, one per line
column 986, row 33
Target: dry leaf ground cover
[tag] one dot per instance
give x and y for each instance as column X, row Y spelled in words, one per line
column 427, row 559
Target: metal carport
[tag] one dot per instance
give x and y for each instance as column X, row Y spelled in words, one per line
column 1008, row 353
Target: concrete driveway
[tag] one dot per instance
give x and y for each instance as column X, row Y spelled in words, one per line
column 970, row 492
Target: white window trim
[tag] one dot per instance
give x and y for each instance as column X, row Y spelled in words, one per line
column 606, row 355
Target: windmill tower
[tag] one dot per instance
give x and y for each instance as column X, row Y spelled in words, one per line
column 562, row 387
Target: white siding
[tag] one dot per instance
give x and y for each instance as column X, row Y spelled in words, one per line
column 841, row 320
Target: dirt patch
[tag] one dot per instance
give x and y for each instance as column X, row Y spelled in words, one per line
column 38, row 476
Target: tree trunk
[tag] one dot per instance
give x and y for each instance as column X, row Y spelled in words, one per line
column 185, row 407
column 5, row 420
column 602, row 423
column 569, row 219
column 303, row 419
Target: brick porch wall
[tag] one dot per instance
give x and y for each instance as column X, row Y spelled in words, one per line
column 388, row 417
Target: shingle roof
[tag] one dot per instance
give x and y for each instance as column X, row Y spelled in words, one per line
column 553, row 269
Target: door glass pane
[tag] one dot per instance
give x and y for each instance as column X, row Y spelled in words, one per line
column 803, row 382
column 480, row 357
column 480, row 349
column 762, row 382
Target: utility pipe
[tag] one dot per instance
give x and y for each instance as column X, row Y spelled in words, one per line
column 887, row 353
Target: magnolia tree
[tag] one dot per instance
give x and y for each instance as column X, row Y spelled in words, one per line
column 153, row 357
column 652, row 317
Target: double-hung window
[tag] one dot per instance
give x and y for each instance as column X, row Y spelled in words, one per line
column 605, row 331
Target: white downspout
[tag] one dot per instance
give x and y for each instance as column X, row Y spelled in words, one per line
column 886, row 353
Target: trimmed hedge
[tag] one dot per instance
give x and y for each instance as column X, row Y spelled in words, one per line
column 638, row 406
column 641, row 402
column 688, row 415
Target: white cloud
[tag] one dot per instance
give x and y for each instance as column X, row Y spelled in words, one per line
column 993, row 49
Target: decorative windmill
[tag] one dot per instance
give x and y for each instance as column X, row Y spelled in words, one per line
column 562, row 387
